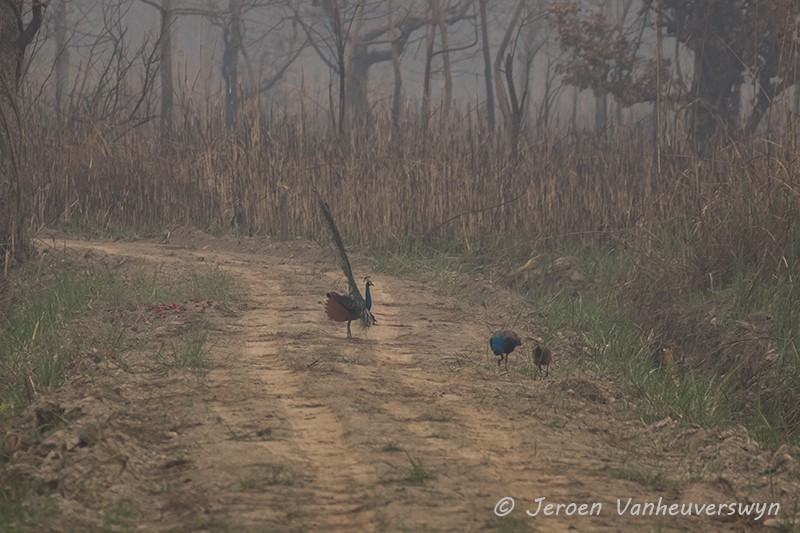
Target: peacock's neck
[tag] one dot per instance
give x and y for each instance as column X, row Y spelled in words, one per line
column 367, row 298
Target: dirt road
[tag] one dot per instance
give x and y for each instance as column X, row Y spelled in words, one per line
column 409, row 427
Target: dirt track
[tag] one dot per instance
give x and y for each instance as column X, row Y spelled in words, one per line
column 410, row 427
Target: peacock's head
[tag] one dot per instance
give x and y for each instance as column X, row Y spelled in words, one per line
column 369, row 282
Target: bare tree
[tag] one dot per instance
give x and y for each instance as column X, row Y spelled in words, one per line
column 355, row 43
column 62, row 56
column 167, row 12
column 425, row 114
column 439, row 24
column 447, row 73
column 510, row 103
column 397, row 92
column 167, row 87
column 113, row 84
column 15, row 36
column 534, row 36
column 232, row 39
column 230, row 21
column 487, row 66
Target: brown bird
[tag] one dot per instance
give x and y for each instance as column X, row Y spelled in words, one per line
column 664, row 356
column 344, row 308
column 542, row 357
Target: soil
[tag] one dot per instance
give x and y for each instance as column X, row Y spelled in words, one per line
column 410, row 426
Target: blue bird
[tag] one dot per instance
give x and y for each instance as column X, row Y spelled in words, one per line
column 503, row 343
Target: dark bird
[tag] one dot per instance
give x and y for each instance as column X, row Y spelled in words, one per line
column 351, row 306
column 343, row 307
column 503, row 343
column 542, row 357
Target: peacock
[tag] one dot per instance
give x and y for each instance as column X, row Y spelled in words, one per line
column 351, row 306
column 542, row 357
column 343, row 307
column 502, row 343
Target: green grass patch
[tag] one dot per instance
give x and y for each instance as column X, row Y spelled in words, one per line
column 65, row 309
column 37, row 341
column 121, row 515
column 437, row 415
column 24, row 503
column 391, row 447
column 418, row 473
column 511, row 524
column 187, row 347
column 268, row 475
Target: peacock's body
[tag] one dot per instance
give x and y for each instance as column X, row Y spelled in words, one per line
column 344, row 308
column 351, row 306
column 502, row 343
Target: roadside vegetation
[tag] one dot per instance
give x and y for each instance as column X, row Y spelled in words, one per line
column 626, row 244
column 65, row 315
column 64, row 312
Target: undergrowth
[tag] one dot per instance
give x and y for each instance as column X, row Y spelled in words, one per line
column 608, row 309
column 628, row 241
column 64, row 308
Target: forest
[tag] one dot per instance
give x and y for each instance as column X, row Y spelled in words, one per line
column 618, row 179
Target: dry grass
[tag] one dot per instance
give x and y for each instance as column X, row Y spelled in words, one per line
column 453, row 181
column 717, row 227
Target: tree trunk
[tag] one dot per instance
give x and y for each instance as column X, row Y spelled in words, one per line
column 487, row 67
column 600, row 114
column 717, row 91
column 543, row 118
column 797, row 98
column 230, row 62
column 397, row 93
column 426, row 78
column 62, row 57
column 446, row 69
column 573, row 119
column 9, row 130
column 358, row 84
column 13, row 41
column 167, row 90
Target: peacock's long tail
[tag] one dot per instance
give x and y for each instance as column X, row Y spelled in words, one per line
column 367, row 319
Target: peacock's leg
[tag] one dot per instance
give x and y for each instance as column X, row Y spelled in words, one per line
column 349, row 336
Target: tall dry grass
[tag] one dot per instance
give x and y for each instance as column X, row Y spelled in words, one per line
column 454, row 181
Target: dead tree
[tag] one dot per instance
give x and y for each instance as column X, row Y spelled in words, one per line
column 487, row 66
column 62, row 56
column 354, row 48
column 510, row 103
column 15, row 35
column 232, row 38
column 168, row 13
column 167, row 88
